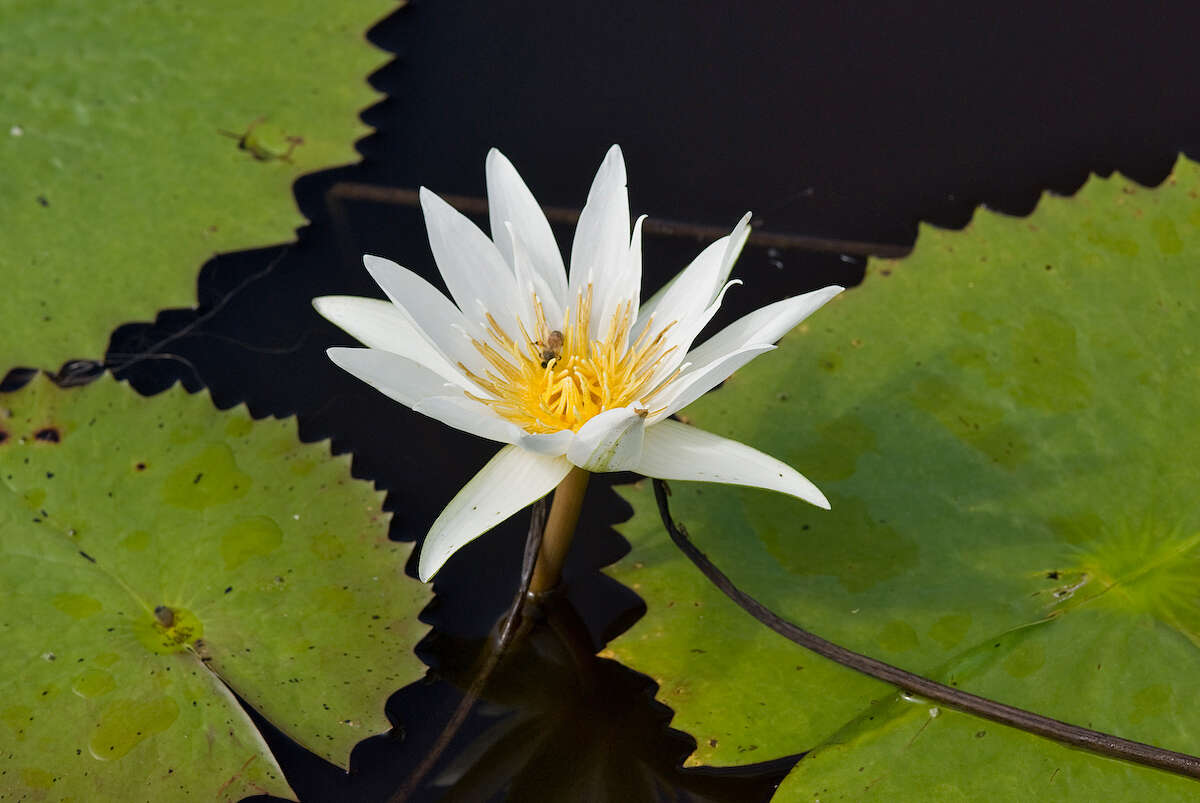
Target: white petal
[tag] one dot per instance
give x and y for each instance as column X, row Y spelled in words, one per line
column 392, row 375
column 675, row 451
column 621, row 286
column 635, row 268
column 478, row 278
column 554, row 444
column 733, row 250
column 610, row 441
column 600, row 251
column 510, row 201
column 679, row 337
column 470, row 416
column 382, row 325
column 434, row 315
column 651, row 304
column 687, row 293
column 761, row 327
column 692, row 384
column 511, row 480
column 695, row 288
column 531, row 283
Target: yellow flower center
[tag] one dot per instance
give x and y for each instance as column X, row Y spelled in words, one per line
column 559, row 378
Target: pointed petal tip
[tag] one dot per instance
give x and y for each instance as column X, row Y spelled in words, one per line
column 379, row 269
column 614, row 160
column 373, row 263
column 817, row 499
column 333, row 308
column 431, row 200
column 802, row 488
column 635, row 240
column 740, row 231
column 496, row 158
column 826, row 294
column 426, row 569
column 675, row 451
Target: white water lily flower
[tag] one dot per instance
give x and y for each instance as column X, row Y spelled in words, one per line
column 565, row 369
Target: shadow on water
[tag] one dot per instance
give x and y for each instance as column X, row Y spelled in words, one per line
column 718, row 112
column 554, row 722
column 255, row 339
column 563, row 724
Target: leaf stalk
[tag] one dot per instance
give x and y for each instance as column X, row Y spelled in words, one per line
column 1105, row 744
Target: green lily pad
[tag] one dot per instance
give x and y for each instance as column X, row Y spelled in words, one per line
column 131, row 151
column 1004, row 423
column 156, row 553
column 915, row 751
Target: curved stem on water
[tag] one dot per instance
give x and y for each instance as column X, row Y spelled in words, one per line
column 1105, row 744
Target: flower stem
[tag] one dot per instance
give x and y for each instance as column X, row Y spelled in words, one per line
column 560, row 529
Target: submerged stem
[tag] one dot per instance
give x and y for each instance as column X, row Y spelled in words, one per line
column 560, row 529
column 511, row 626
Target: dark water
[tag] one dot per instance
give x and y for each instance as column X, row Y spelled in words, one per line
column 850, row 120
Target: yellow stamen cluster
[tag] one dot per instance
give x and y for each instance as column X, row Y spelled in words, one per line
column 544, row 389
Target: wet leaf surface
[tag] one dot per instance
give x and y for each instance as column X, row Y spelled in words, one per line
column 142, row 138
column 155, row 550
column 1003, row 423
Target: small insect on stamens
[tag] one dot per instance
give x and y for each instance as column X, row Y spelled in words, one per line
column 552, row 348
column 550, row 380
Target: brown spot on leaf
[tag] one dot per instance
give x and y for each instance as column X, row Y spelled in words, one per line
column 48, row 434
